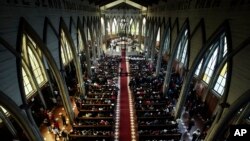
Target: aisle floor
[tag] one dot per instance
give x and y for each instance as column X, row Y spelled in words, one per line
column 183, row 126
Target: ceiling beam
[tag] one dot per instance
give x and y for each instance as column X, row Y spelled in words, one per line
column 129, row 2
column 112, row 4
column 136, row 5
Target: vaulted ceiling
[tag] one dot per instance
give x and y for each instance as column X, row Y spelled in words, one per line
column 144, row 3
column 124, row 4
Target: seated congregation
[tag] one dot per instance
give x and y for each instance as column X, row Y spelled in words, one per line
column 96, row 110
column 154, row 111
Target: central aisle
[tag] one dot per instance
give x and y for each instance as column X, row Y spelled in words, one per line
column 124, row 129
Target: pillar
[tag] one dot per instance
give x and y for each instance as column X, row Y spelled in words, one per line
column 91, row 30
column 86, row 48
column 105, row 29
column 99, row 36
column 140, row 32
column 186, row 84
column 146, row 36
column 32, row 75
column 149, row 40
column 159, row 59
column 153, row 43
column 244, row 114
column 8, row 123
column 19, row 116
column 218, row 127
column 63, row 91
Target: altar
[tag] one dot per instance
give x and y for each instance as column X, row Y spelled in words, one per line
column 117, row 44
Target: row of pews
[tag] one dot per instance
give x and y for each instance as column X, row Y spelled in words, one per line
column 96, row 110
column 153, row 111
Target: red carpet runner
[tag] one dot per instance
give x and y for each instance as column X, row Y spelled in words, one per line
column 124, row 129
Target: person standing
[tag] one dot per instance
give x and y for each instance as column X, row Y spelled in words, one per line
column 48, row 124
column 196, row 134
column 63, row 119
column 190, row 124
column 64, row 135
column 56, row 132
column 56, row 124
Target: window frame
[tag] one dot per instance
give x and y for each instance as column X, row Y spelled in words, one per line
column 214, row 62
column 223, row 78
column 183, row 46
column 221, row 47
column 66, row 51
column 31, row 55
column 166, row 46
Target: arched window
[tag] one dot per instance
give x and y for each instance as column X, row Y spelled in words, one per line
column 80, row 43
column 28, row 88
column 88, row 35
column 63, row 57
column 114, row 26
column 137, row 28
column 182, row 48
column 108, row 28
column 133, row 28
column 123, row 26
column 166, row 42
column 221, row 81
column 158, row 37
column 32, row 56
column 144, row 26
column 215, row 57
column 130, row 26
column 131, row 21
column 36, row 67
column 210, row 67
column 102, row 25
column 224, row 46
column 199, row 68
column 217, row 51
column 66, row 52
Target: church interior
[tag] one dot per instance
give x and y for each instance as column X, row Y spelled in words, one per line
column 124, row 70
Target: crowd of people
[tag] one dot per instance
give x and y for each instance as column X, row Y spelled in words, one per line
column 53, row 125
column 96, row 109
column 154, row 111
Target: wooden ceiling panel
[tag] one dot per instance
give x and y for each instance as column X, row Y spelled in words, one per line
column 144, row 3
